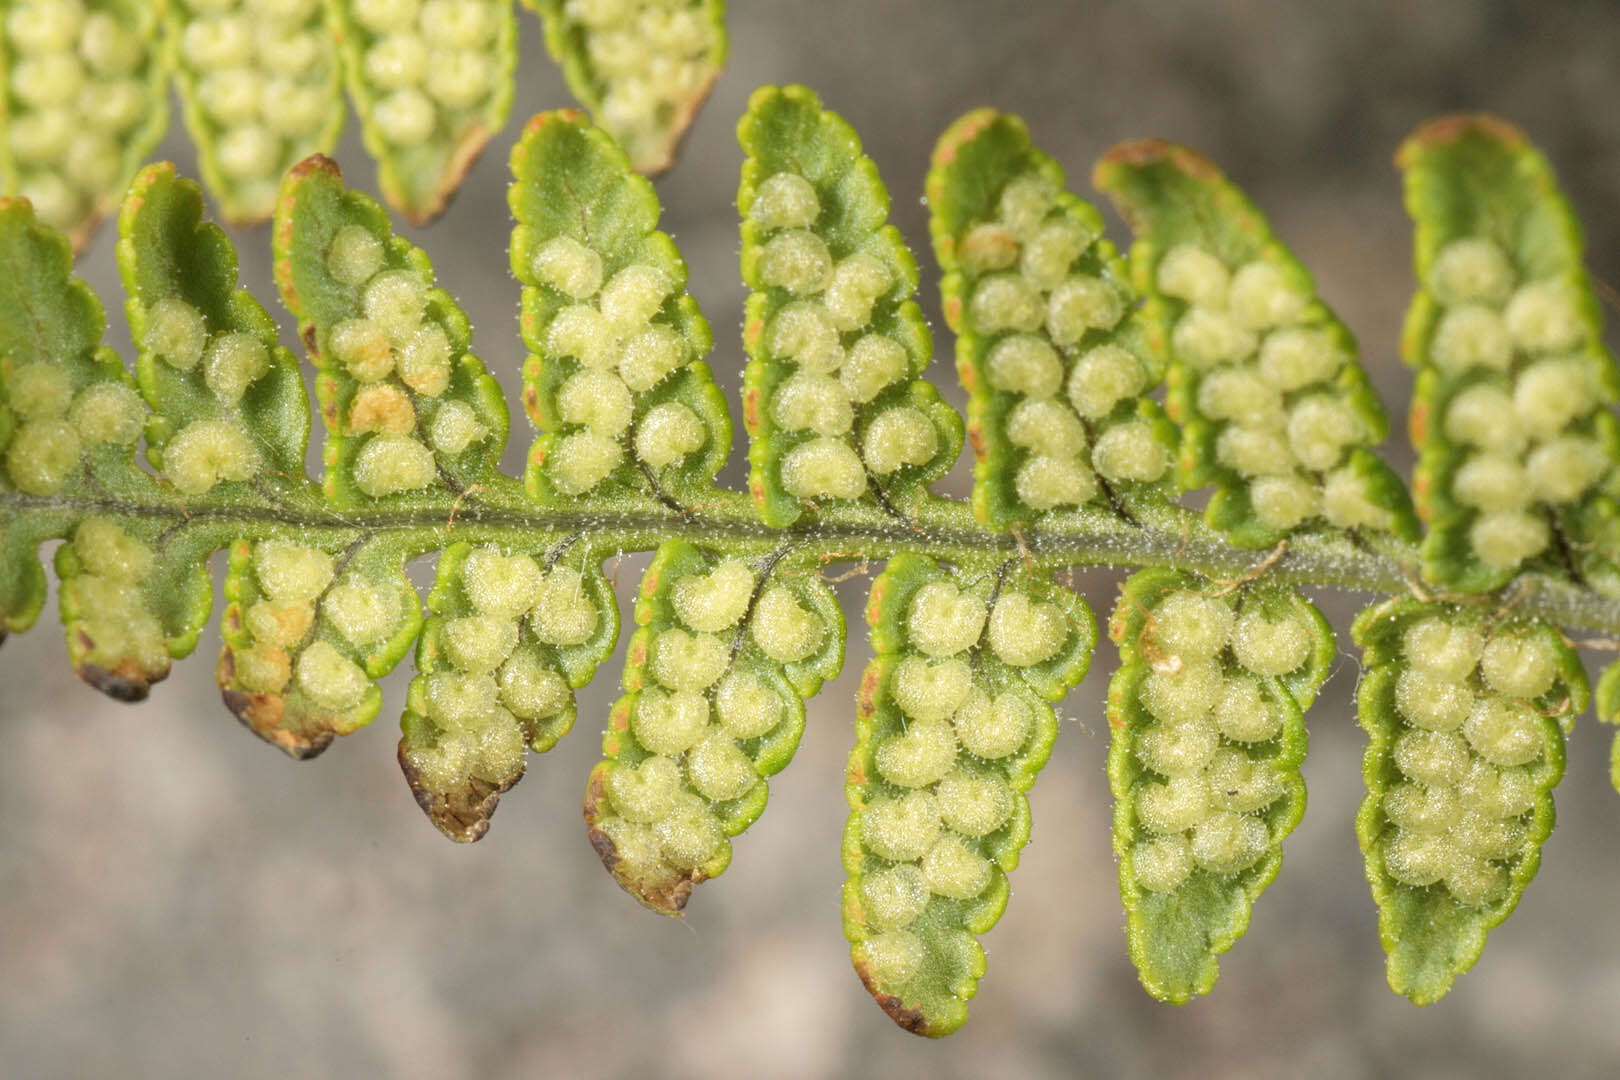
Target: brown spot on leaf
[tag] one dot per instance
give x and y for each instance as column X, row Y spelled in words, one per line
column 871, row 679
column 751, row 414
column 976, row 438
column 909, row 1017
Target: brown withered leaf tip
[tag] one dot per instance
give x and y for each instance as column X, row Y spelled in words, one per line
column 1445, row 129
column 667, row 896
column 907, row 1016
column 681, row 123
column 265, row 715
column 463, row 815
column 122, row 683
column 125, row 681
column 459, row 164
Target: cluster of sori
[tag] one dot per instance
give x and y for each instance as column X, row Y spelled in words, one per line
column 1208, row 716
column 614, row 336
column 509, row 636
column 432, row 81
column 831, row 394
column 714, row 679
column 1464, row 711
column 424, row 62
column 643, row 65
column 276, row 646
column 260, row 79
column 114, row 638
column 403, row 400
column 80, row 84
column 54, row 411
column 400, row 360
column 954, row 724
column 305, row 634
column 1517, row 393
column 1474, row 753
column 1041, row 305
column 1272, row 376
column 224, row 390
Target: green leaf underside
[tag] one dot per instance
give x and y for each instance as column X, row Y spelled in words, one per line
column 318, row 606
column 835, row 410
column 630, row 412
column 1607, row 701
column 1207, row 710
column 83, row 100
column 1505, row 310
column 1466, row 714
column 70, row 418
column 642, row 69
column 724, row 653
column 207, row 350
column 261, row 89
column 1055, row 362
column 952, row 725
column 1274, row 409
column 429, row 94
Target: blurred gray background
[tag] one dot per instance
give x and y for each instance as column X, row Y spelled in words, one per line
column 177, row 899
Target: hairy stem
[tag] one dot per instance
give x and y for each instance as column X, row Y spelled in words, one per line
column 939, row 527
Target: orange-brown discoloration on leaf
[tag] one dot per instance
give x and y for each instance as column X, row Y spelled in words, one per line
column 381, row 407
column 909, row 1017
column 751, row 415
column 965, row 130
column 266, row 715
column 752, row 329
column 976, row 437
column 866, row 701
column 876, row 599
column 462, row 815
column 1449, row 129
column 1142, row 153
column 538, row 122
column 1418, row 420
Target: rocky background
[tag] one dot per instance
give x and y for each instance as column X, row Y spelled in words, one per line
column 178, row 900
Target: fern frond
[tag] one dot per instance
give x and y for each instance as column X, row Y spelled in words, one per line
column 83, row 100
column 1466, row 697
column 1466, row 710
column 1054, row 359
column 952, row 725
column 1208, row 714
column 1520, row 450
column 1274, row 409
column 261, row 86
column 835, row 408
column 642, row 67
column 724, row 651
